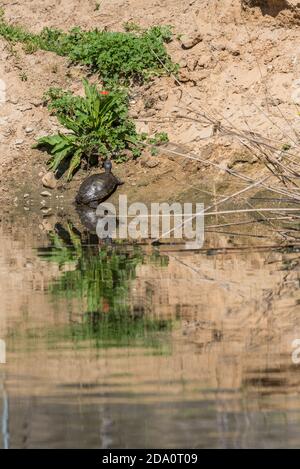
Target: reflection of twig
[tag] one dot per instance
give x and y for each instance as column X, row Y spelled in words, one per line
column 231, row 196
column 249, row 222
column 204, row 277
column 247, row 210
column 244, row 235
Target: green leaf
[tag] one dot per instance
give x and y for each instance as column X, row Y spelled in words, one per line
column 58, row 158
column 51, row 141
column 75, row 163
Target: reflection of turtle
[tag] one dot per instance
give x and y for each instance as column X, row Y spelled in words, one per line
column 88, row 217
column 98, row 187
column 95, row 222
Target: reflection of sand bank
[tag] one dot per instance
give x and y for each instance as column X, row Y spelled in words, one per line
column 234, row 312
column 240, row 314
column 24, row 279
column 246, row 294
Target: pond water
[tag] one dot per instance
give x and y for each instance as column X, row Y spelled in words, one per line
column 121, row 346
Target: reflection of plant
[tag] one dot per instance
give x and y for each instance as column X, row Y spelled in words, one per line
column 63, row 251
column 113, row 330
column 101, row 279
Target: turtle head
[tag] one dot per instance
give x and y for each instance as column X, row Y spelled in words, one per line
column 107, row 166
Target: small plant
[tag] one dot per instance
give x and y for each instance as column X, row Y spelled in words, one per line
column 98, row 124
column 130, row 27
column 23, row 76
column 54, row 68
column 149, row 103
column 13, row 52
column 159, row 139
column 286, row 147
column 30, row 47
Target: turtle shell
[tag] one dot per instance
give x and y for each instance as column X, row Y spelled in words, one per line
column 96, row 188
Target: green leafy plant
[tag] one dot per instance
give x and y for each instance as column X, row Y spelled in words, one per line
column 98, row 124
column 119, row 57
column 159, row 139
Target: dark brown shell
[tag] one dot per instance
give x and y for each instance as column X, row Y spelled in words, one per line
column 96, row 188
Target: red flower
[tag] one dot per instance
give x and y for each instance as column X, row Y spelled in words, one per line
column 104, row 92
column 105, row 306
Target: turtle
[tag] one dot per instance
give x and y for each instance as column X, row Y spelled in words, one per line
column 97, row 188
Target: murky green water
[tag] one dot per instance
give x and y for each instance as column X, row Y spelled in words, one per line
column 113, row 346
